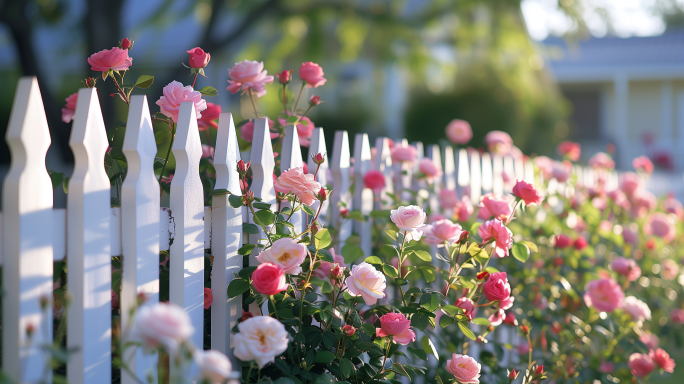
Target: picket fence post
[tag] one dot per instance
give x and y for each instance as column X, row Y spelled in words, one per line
column 475, row 178
column 316, row 146
column 497, row 173
column 449, row 168
column 291, row 157
column 383, row 164
column 403, row 173
column 88, row 247
column 487, row 173
column 435, row 155
column 363, row 197
column 463, row 177
column 139, row 230
column 226, row 238
column 187, row 210
column 340, row 168
column 27, row 239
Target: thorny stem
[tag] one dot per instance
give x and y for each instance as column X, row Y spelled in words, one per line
column 301, row 90
column 285, row 97
column 194, row 80
column 121, row 92
column 251, row 98
column 401, row 290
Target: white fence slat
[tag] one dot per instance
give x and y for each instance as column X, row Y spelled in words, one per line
column 403, row 174
column 362, row 197
column 383, row 163
column 226, row 223
column 487, row 173
column 418, row 184
column 316, row 146
column 139, row 227
column 59, row 226
column 509, row 169
column 115, row 231
column 88, row 246
column 340, row 167
column 475, row 174
column 449, row 168
column 463, row 169
column 207, row 228
column 529, row 171
column 187, row 209
column 497, row 174
column 519, row 166
column 435, row 154
column 167, row 229
column 27, row 238
column 291, row 157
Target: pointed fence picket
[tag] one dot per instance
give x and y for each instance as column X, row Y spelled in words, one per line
column 316, row 146
column 463, row 177
column 487, row 173
column 475, row 178
column 291, row 157
column 341, row 173
column 362, row 197
column 383, row 164
column 449, row 168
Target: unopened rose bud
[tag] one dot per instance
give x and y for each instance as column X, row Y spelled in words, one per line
column 30, row 330
column 126, row 43
column 322, row 194
column 337, row 272
column 284, row 76
column 89, row 82
column 482, row 275
column 318, row 158
column 539, row 370
column 524, row 329
column 198, row 58
column 512, row 375
column 344, row 212
column 242, row 166
column 464, row 237
column 248, row 197
column 315, row 100
column 246, row 315
column 44, row 302
column 314, row 228
column 348, row 330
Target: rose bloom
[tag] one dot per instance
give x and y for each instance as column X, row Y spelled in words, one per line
column 374, row 180
column 465, row 369
column 650, row 340
column 210, row 117
column 604, row 294
column 673, row 206
column 394, row 323
column 441, row 231
column 459, row 131
column 670, row 269
column 636, row 308
column 367, row 282
column 545, row 166
column 606, row 367
column 260, row 338
column 447, row 198
column 247, row 130
column 580, row 243
column 429, row 168
column 560, row 171
column 677, row 316
column 163, row 324
column 269, row 279
column 497, row 317
column 630, row 182
column 467, row 306
column 116, row 59
column 175, row 94
column 562, row 241
column 297, row 182
column 510, row 319
column 659, row 224
column 499, row 142
column 527, row 193
column 403, row 154
column 208, row 298
column 497, row 287
column 620, row 199
column 494, row 205
column 497, row 231
column 214, row 366
column 640, row 365
column 69, row 108
column 305, row 128
column 662, row 359
column 408, row 218
column 602, row 160
column 570, row 149
column 285, row 253
column 464, row 209
column 405, row 338
column 248, row 74
column 643, row 163
column 435, row 217
column 198, row 58
column 312, row 73
column 325, row 269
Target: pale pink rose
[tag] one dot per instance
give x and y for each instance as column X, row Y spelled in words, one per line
column 630, row 182
column 403, row 154
column 677, row 315
column 605, row 226
column 600, row 203
column 435, row 217
column 260, row 338
column 497, row 317
column 465, row 369
column 297, row 182
column 626, row 267
column 527, row 193
column 115, row 59
column 374, row 180
column 499, row 142
column 459, row 131
column 285, row 253
column 441, row 231
column 495, row 205
column 410, row 219
column 670, row 269
column 323, row 271
column 405, row 338
column 248, row 74
column 468, row 307
column 661, row 225
column 175, row 94
column 497, row 231
column 545, row 166
column 464, row 209
column 642, row 201
column 163, row 325
column 673, row 206
column 305, row 128
column 394, row 323
column 662, row 359
column 650, row 340
column 214, row 366
column 569, row 149
column 312, row 73
column 367, row 282
column 606, row 367
column 560, row 171
column 447, row 198
column 247, row 130
column 69, row 108
column 604, row 294
column 497, row 287
column 636, row 308
column 640, row 365
column 643, row 164
column 429, row 168
column 602, row 160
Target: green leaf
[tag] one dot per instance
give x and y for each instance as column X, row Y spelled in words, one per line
column 466, row 331
column 420, row 321
column 326, row 287
column 237, row 287
column 481, row 321
column 250, row 228
column 309, row 211
column 144, row 81
column 283, row 380
column 264, row 216
column 429, row 273
column 246, row 272
column 56, row 178
column 219, row 192
column 392, row 234
column 322, row 238
column 323, row 378
column 381, row 213
column 346, row 367
column 351, row 253
column 520, row 252
column 430, row 302
column 324, row 255
column 246, row 249
column 474, row 227
column 429, row 347
column 292, row 119
column 235, row 201
column 209, row 91
column 262, row 206
column 531, row 245
column 445, row 321
column 423, row 255
column 65, row 185
column 389, row 270
column 324, row 357
column 419, row 353
column 356, row 215
column 373, row 260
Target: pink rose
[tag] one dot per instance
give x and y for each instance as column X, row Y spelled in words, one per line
column 299, row 183
column 464, row 209
column 561, row 171
column 606, row 367
column 405, row 338
column 459, row 131
column 429, row 168
column 527, row 193
column 312, row 73
column 208, row 298
column 210, row 117
column 659, row 224
column 403, row 154
column 448, row 198
column 115, row 59
column 650, row 340
column 670, row 269
column 247, row 130
column 69, row 108
column 260, row 338
column 286, row 253
column 323, row 271
column 569, row 149
column 468, row 307
column 630, row 182
column 640, row 365
column 441, row 231
column 435, row 217
column 497, row 317
column 497, row 287
column 497, row 231
column 494, row 205
column 410, row 219
column 636, row 308
column 677, row 316
column 207, row 151
column 248, row 74
column 642, row 202
column 643, row 164
column 163, row 324
column 580, row 243
column 602, row 160
column 630, row 235
column 620, row 199
column 510, row 319
column 394, row 323
column 269, row 279
column 367, row 282
column 304, row 128
column 604, row 294
column 198, row 58
column 465, row 369
column 374, row 180
column 214, row 366
column 662, row 359
column 562, row 241
column 673, row 206
column 175, row 94
column 499, row 142
column 626, row 267
column 545, row 166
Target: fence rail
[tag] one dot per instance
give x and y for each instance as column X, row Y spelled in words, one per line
column 89, row 231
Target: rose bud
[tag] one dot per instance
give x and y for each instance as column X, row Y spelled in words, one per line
column 322, row 194
column 198, row 58
column 314, row 228
column 248, row 197
column 464, row 237
column 242, row 167
column 337, row 272
column 524, row 329
column 284, row 76
column 348, row 330
column 315, row 100
column 512, row 375
column 126, row 44
column 539, row 370
column 89, row 82
column 482, row 275
column 318, row 158
column 30, row 329
column 344, row 212
column 246, row 315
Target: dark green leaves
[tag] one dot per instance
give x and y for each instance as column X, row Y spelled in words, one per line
column 264, row 217
column 324, row 357
column 235, row 201
column 144, row 81
column 346, row 367
column 261, row 205
column 250, row 228
column 209, row 91
column 373, row 260
column 309, row 211
column 237, row 287
column 246, row 249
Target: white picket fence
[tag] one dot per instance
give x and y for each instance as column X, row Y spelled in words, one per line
column 89, row 231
